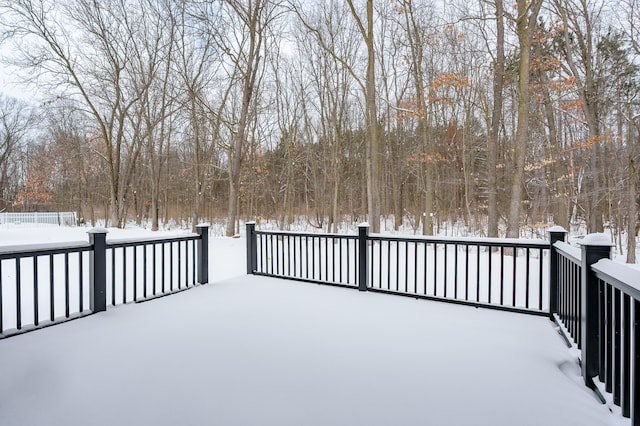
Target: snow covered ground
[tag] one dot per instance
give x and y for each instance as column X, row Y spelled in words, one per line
column 246, row 350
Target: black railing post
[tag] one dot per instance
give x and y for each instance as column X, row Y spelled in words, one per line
column 556, row 233
column 594, row 248
column 252, row 248
column 203, row 253
column 363, row 256
column 98, row 270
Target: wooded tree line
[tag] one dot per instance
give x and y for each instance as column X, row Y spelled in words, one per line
column 496, row 115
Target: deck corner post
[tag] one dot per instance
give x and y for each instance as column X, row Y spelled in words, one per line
column 203, row 253
column 556, row 233
column 363, row 256
column 594, row 248
column 98, row 270
column 252, row 248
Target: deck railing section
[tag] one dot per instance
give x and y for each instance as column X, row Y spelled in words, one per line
column 618, row 336
column 42, row 284
column 467, row 271
column 599, row 307
column 319, row 258
column 46, row 284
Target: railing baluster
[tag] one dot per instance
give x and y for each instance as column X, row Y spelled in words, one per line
column 513, row 278
column 291, row 254
column 81, row 281
column 388, row 264
column 579, row 307
column 36, row 296
column 489, row 273
column 426, row 269
column 380, row 263
column 609, row 337
column 340, row 260
column 326, row 258
column 193, row 262
column 406, row 266
column 277, row 255
column 527, row 268
column 372, row 262
column 18, row 296
column 66, row 285
column 501, row 275
column 313, row 257
column 635, row 387
column 625, row 399
column 144, row 270
column 124, row 275
column 113, row 277
column 602, row 330
column 52, row 307
column 415, row 268
column 540, row 259
column 135, row 273
column 348, row 262
column 179, row 265
column 397, row 266
column 435, row 269
column 477, row 272
column 455, row 272
column 163, row 259
column 616, row 346
column 171, row 267
column 466, row 273
column 154, row 271
column 306, row 257
column 446, row 263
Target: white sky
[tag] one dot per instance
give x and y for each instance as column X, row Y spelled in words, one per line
column 259, row 351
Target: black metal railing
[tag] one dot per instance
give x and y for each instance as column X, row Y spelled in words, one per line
column 618, row 335
column 46, row 284
column 568, row 277
column 30, row 294
column 469, row 271
column 599, row 309
column 327, row 258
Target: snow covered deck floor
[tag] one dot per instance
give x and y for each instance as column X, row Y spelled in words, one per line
column 259, row 351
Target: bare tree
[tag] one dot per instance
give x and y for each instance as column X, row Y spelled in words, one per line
column 82, row 50
column 16, row 119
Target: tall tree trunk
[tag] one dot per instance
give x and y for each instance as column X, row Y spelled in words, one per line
column 494, row 130
column 632, row 220
column 527, row 15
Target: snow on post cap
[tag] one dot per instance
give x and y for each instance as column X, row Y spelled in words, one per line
column 97, row 230
column 598, row 239
column 556, row 228
column 251, row 222
column 202, row 225
column 363, row 224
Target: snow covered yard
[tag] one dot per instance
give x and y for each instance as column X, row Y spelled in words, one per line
column 259, row 351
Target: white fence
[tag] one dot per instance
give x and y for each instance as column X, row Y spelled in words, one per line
column 36, row 218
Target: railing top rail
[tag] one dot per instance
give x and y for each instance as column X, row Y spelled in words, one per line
column 490, row 242
column 22, row 250
column 307, row 234
column 123, row 242
column 572, row 253
column 619, row 275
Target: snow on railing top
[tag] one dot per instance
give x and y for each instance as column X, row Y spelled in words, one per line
column 573, row 253
column 33, row 248
column 619, row 275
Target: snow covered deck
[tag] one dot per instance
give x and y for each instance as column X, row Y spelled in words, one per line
column 260, row 351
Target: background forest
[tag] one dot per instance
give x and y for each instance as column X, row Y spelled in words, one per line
column 496, row 116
